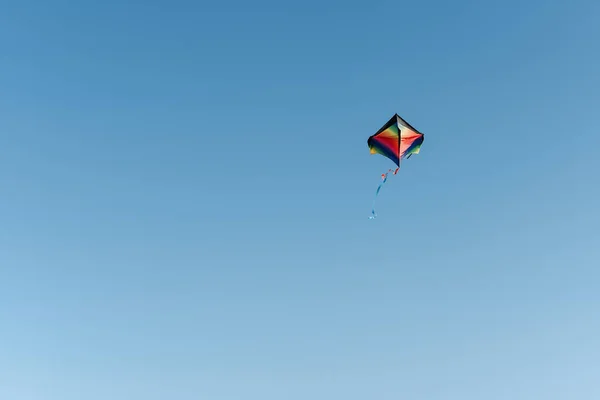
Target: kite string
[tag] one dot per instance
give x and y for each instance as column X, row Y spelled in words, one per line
column 384, row 178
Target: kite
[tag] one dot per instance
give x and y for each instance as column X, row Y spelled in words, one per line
column 396, row 140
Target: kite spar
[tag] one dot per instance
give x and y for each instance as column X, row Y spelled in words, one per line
column 396, row 140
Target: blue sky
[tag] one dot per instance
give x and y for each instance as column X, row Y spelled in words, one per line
column 186, row 190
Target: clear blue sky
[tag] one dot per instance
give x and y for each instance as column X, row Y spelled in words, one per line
column 185, row 192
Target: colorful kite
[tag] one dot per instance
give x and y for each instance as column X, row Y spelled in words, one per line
column 396, row 140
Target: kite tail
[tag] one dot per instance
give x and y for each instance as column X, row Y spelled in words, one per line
column 383, row 180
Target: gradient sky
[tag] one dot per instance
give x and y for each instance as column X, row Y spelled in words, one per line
column 185, row 192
